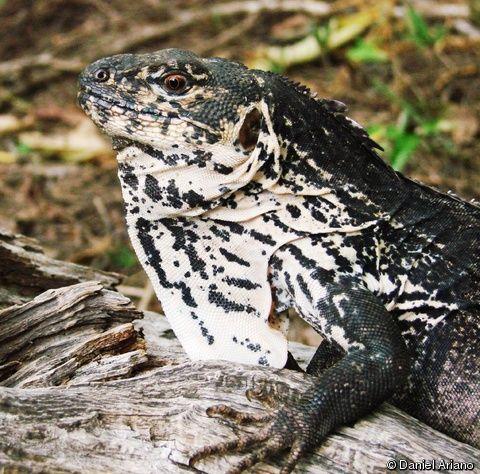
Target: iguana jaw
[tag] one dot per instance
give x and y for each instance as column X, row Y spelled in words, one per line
column 119, row 116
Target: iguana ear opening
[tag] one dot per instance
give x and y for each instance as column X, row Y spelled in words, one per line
column 250, row 130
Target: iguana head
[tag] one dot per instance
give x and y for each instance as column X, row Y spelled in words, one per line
column 172, row 97
column 181, row 119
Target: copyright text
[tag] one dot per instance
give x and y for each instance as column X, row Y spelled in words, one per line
column 429, row 465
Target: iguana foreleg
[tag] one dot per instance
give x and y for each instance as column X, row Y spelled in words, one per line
column 375, row 364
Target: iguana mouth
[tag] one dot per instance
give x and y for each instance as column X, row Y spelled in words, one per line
column 106, row 102
column 110, row 106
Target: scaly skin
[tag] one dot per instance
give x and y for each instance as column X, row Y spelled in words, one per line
column 239, row 185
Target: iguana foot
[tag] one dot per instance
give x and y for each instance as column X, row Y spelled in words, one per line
column 287, row 429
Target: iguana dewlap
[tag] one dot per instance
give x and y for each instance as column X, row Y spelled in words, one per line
column 238, row 184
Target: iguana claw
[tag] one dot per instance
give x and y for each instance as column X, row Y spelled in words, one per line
column 284, row 431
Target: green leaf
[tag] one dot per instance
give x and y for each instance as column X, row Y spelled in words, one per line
column 123, row 257
column 429, row 127
column 217, row 20
column 378, row 133
column 366, row 52
column 376, row 129
column 277, row 68
column 23, row 148
column 420, row 31
column 403, row 149
column 322, row 35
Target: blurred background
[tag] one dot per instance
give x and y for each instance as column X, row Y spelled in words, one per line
column 408, row 71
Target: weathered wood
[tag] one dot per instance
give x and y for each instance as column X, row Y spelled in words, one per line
column 85, row 386
column 47, row 341
column 25, row 271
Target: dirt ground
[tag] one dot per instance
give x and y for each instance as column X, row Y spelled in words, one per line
column 58, row 176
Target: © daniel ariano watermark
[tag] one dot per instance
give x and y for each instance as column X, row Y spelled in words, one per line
column 429, row 465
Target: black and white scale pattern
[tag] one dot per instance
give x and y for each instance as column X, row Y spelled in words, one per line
column 245, row 186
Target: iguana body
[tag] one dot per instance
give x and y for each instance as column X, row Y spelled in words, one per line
column 239, row 184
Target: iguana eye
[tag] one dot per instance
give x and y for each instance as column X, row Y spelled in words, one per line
column 175, row 83
column 101, row 75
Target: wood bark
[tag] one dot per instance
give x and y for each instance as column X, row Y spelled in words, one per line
column 89, row 384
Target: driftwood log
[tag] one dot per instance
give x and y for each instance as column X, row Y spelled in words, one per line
column 89, row 384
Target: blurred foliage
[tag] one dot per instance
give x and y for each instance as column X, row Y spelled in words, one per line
column 420, row 32
column 408, row 69
column 413, row 128
column 23, row 149
column 366, row 52
column 474, row 6
column 122, row 258
column 402, row 139
column 336, row 32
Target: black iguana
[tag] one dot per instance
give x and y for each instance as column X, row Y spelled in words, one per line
column 241, row 189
